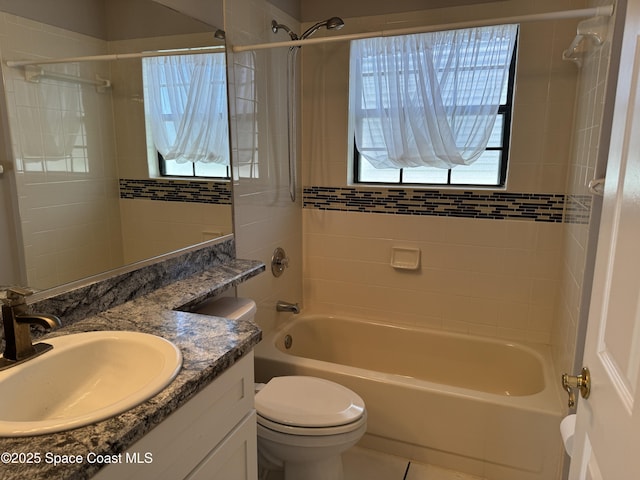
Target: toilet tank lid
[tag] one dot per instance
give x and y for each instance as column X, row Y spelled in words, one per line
column 234, row 308
column 302, row 401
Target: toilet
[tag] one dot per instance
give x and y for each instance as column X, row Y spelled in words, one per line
column 304, row 423
column 304, row 426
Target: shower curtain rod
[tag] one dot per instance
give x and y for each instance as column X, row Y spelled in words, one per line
column 536, row 17
column 115, row 56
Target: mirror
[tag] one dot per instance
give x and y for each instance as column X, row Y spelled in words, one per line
column 83, row 166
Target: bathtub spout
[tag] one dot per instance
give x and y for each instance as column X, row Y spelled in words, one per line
column 287, row 307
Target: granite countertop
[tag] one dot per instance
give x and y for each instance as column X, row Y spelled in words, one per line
column 209, row 346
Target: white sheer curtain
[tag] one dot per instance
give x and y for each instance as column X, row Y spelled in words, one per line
column 429, row 99
column 186, row 104
column 59, row 117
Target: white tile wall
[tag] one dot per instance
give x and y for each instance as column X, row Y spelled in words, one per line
column 151, row 228
column 65, row 196
column 264, row 215
column 490, row 277
column 586, row 163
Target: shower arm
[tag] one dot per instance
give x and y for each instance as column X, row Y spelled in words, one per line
column 275, row 26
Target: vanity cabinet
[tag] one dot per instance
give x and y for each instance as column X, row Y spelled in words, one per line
column 212, row 436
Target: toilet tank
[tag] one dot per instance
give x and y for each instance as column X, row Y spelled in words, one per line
column 234, row 308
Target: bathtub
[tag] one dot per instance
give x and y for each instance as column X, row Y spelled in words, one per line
column 472, row 404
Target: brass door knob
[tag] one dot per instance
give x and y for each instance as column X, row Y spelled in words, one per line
column 581, row 382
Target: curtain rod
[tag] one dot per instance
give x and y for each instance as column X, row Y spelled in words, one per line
column 115, row 56
column 537, row 17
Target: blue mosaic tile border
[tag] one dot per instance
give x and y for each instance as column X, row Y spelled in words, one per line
column 166, row 190
column 405, row 201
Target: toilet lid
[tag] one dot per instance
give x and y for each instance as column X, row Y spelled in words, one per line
column 308, row 402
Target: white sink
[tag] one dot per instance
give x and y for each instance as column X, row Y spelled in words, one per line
column 87, row 377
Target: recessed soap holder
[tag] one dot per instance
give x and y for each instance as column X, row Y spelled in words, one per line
column 405, row 258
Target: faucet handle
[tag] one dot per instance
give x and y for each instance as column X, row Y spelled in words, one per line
column 17, row 296
column 279, row 261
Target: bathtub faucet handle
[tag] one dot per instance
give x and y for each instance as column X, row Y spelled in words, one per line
column 279, row 261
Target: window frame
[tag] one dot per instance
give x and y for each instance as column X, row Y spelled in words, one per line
column 162, row 171
column 506, row 110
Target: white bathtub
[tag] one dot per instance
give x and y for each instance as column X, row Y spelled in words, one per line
column 476, row 405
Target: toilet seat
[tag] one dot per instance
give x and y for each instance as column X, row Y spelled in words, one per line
column 310, row 431
column 299, row 405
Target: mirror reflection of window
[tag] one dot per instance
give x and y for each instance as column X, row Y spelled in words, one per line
column 186, row 114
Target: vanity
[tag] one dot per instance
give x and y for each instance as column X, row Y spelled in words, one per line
column 202, row 425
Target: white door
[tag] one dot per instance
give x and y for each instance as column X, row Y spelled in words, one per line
column 607, row 440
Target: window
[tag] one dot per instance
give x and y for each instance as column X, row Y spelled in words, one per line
column 186, row 115
column 460, row 92
column 171, row 168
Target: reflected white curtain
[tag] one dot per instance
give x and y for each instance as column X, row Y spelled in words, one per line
column 429, row 99
column 56, row 112
column 186, row 104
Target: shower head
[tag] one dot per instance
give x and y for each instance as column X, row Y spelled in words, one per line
column 333, row 23
column 275, row 26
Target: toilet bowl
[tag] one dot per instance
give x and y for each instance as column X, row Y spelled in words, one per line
column 304, row 423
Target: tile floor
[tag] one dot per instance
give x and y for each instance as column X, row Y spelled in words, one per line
column 364, row 464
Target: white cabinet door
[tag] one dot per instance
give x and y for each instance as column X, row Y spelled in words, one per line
column 234, row 458
column 607, row 440
column 179, row 445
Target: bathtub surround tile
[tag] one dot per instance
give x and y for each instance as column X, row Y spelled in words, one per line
column 578, row 209
column 472, row 267
column 495, row 277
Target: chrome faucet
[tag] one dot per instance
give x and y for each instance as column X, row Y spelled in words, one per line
column 287, row 307
column 17, row 328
